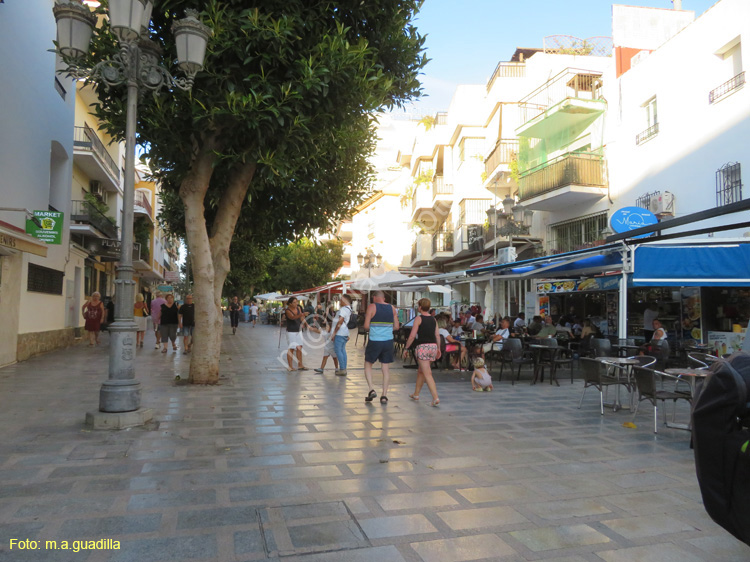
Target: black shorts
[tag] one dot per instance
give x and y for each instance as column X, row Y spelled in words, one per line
column 379, row 350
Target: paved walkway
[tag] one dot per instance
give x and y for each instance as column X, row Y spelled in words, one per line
column 277, row 465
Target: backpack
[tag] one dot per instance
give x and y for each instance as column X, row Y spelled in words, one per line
column 352, row 324
column 721, row 438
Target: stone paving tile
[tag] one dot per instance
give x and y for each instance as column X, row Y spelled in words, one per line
column 523, row 459
column 476, row 547
column 652, row 553
column 555, row 538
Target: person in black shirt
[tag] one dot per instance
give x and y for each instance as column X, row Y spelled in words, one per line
column 187, row 323
column 169, row 322
column 234, row 313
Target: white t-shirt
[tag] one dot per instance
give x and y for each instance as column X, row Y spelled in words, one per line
column 660, row 334
column 501, row 332
column 344, row 312
column 445, row 333
column 519, row 323
column 254, row 310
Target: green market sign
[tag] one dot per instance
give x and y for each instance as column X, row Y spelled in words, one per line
column 46, row 226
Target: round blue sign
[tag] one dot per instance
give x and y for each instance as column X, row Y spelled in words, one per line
column 632, row 218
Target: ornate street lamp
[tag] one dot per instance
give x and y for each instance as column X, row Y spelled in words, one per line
column 137, row 65
column 369, row 261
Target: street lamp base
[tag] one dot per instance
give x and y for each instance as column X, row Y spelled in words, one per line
column 117, row 397
column 121, row 420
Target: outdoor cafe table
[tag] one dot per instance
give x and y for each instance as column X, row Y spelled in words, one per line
column 625, row 348
column 626, row 363
column 538, row 350
column 694, row 377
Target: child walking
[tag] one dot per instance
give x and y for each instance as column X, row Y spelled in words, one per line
column 480, row 378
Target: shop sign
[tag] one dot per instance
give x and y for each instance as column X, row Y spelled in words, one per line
column 171, row 276
column 108, row 249
column 574, row 285
column 165, row 288
column 632, row 218
column 46, row 226
column 22, row 245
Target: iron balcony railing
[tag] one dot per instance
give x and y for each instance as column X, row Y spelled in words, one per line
column 504, row 152
column 578, row 168
column 439, row 187
column 649, row 133
column 441, row 118
column 84, row 212
column 143, row 200
column 85, row 138
column 727, row 87
column 570, row 83
column 507, row 70
column 442, row 242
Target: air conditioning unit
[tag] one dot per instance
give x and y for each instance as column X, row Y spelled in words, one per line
column 662, row 204
column 96, row 189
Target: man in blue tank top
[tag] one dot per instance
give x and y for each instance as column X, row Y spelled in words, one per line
column 380, row 320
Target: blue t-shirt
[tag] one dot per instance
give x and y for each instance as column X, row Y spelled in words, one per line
column 381, row 324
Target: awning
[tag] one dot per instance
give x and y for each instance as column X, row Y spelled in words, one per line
column 715, row 264
column 579, row 262
column 13, row 238
column 379, row 282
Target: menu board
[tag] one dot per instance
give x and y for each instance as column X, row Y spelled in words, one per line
column 574, row 285
column 725, row 342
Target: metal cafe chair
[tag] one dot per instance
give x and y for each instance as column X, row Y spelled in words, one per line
column 650, row 386
column 514, row 348
column 595, row 374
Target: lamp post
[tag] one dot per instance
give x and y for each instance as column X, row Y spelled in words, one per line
column 137, row 65
column 370, row 261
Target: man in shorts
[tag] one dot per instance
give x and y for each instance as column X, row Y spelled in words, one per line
column 381, row 320
column 187, row 323
column 156, row 316
column 253, row 312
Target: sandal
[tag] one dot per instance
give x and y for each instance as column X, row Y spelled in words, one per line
column 384, row 400
column 414, row 397
column 164, row 350
column 371, row 396
column 436, row 402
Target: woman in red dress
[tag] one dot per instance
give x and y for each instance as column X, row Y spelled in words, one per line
column 93, row 312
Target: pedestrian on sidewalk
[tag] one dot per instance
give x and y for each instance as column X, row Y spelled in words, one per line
column 425, row 331
column 246, row 311
column 93, row 312
column 140, row 313
column 156, row 316
column 168, row 323
column 234, row 313
column 187, row 323
column 381, row 320
column 340, row 332
column 253, row 312
column 294, row 319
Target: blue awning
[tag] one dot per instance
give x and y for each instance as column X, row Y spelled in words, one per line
column 589, row 261
column 684, row 265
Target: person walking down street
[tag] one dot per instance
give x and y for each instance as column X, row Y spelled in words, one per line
column 187, row 323
column 425, row 330
column 381, row 320
column 253, row 312
column 156, row 316
column 246, row 311
column 93, row 312
column 294, row 319
column 140, row 313
column 340, row 332
column 234, row 314
column 169, row 323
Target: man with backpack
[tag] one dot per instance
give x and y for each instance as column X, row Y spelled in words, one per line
column 342, row 323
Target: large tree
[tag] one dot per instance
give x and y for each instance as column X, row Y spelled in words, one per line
column 303, row 265
column 280, row 117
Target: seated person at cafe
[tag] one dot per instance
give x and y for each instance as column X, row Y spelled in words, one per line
column 548, row 330
column 576, row 328
column 660, row 334
column 452, row 344
column 520, row 323
column 588, row 330
column 502, row 334
column 478, row 324
column 469, row 322
column 535, row 326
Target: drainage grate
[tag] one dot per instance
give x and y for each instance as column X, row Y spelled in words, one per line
column 310, row 528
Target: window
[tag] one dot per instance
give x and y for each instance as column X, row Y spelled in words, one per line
column 576, row 234
column 731, row 56
column 728, row 184
column 44, row 280
column 652, row 122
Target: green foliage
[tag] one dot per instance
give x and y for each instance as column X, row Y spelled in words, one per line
column 290, row 85
column 142, row 235
column 303, row 264
column 250, row 269
column 428, row 122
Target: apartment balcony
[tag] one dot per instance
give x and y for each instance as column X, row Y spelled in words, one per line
column 569, row 180
column 88, row 220
column 92, row 157
column 421, row 202
column 505, row 151
column 442, row 246
column 421, row 250
column 507, row 70
column 468, row 239
column 571, row 101
column 727, row 88
column 141, row 258
column 142, row 205
column 442, row 194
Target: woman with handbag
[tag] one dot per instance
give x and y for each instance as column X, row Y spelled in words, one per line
column 140, row 312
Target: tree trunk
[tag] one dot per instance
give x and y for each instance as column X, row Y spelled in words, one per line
column 210, row 258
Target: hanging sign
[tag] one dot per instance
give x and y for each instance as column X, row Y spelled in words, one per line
column 632, row 218
column 46, row 226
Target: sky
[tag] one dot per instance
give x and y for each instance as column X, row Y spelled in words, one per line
column 467, row 38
